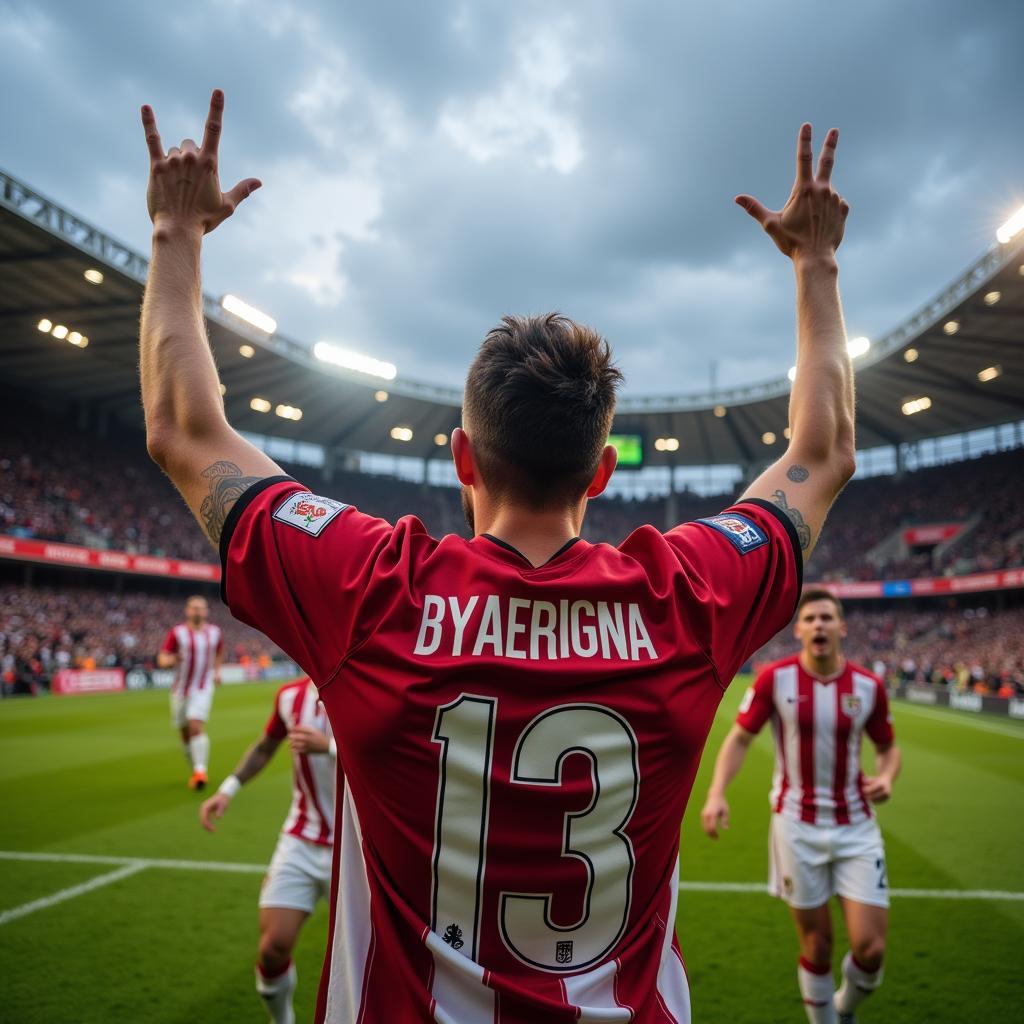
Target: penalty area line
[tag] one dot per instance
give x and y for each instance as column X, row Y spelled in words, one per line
column 129, row 865
column 69, row 894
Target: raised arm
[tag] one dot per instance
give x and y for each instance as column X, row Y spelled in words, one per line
column 821, row 453
column 187, row 433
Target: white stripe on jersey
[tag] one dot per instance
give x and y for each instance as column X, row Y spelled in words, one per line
column 352, row 942
column 786, row 782
column 673, row 985
column 457, row 988
column 311, row 815
column 594, row 993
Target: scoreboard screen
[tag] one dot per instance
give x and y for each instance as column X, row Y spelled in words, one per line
column 630, row 448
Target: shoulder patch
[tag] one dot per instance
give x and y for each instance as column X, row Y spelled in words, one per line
column 308, row 512
column 743, row 533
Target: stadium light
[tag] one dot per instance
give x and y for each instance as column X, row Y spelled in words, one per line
column 44, row 325
column 223, row 389
column 250, row 314
column 991, row 298
column 858, row 346
column 380, row 396
column 911, row 355
column 1011, row 227
column 791, row 374
column 787, row 433
column 60, row 332
column 259, row 405
column 768, row 437
column 246, row 351
column 951, row 327
column 288, row 412
column 440, row 440
column 915, row 405
column 328, row 353
column 93, row 276
column 75, row 338
column 720, row 411
column 401, row 433
column 666, row 444
column 989, row 373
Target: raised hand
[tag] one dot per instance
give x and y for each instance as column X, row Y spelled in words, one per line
column 814, row 217
column 184, row 186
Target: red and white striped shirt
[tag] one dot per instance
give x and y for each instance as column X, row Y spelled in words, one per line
column 196, row 650
column 818, row 724
column 311, row 816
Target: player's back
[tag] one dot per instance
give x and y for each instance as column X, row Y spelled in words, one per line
column 519, row 745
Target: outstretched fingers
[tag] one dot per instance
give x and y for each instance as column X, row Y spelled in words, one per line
column 804, row 154
column 156, row 149
column 756, row 209
column 241, row 191
column 828, row 156
column 211, row 134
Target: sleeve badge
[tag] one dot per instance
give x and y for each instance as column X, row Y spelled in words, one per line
column 308, row 512
column 743, row 533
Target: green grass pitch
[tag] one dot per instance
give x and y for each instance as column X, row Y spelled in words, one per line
column 104, row 775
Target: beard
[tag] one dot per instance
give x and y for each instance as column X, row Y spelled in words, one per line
column 467, row 511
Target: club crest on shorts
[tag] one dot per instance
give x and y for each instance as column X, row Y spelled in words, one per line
column 308, row 512
column 743, row 533
column 563, row 952
column 851, row 705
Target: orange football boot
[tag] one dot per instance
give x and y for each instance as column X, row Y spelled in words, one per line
column 198, row 781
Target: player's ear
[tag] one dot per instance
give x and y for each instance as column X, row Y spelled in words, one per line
column 605, row 468
column 462, row 454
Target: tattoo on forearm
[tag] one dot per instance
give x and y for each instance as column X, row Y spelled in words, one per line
column 226, row 486
column 255, row 760
column 798, row 474
column 803, row 531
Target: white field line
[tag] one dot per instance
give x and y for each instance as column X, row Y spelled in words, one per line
column 958, row 718
column 69, row 894
column 257, row 869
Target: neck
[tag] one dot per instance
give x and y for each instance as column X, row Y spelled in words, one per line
column 536, row 535
column 825, row 667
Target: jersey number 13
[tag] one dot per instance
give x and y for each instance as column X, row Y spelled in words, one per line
column 464, row 729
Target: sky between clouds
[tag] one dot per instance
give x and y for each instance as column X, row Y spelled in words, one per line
column 429, row 166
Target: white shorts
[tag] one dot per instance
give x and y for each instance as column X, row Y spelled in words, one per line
column 195, row 704
column 808, row 864
column 298, row 876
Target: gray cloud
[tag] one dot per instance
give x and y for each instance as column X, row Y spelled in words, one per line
column 428, row 167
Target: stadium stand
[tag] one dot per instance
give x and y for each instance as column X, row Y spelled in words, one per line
column 973, row 648
column 46, row 628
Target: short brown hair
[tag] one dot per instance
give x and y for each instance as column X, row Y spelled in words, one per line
column 539, row 402
column 820, row 594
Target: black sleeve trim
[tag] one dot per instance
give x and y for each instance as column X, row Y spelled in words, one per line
column 794, row 540
column 234, row 514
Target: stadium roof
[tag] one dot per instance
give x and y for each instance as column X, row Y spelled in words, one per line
column 960, row 359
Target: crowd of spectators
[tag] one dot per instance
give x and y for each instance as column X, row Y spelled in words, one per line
column 63, row 485
column 971, row 649
column 44, row 629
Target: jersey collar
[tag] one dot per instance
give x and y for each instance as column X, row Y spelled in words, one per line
column 522, row 558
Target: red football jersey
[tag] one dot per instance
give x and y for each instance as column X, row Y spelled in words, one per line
column 818, row 724
column 518, row 745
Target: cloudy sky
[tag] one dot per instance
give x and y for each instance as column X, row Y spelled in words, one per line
column 429, row 166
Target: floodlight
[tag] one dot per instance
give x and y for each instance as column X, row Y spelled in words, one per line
column 250, row 314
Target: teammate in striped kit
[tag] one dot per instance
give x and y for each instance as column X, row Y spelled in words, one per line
column 194, row 649
column 824, row 838
column 519, row 714
column 300, row 870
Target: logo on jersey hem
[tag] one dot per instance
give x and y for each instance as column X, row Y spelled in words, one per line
column 308, row 512
column 744, row 534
